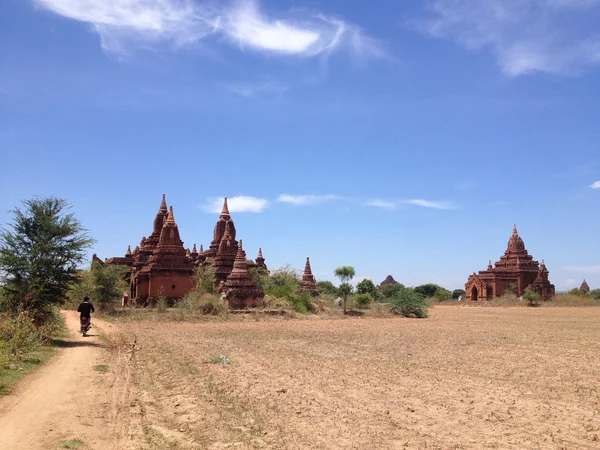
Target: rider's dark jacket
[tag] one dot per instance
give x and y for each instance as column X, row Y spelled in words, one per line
column 85, row 309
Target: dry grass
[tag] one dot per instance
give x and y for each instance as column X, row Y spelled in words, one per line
column 464, row 378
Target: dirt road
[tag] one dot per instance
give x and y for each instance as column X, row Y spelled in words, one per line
column 73, row 399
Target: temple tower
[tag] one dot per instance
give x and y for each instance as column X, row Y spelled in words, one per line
column 240, row 289
column 308, row 282
column 585, row 288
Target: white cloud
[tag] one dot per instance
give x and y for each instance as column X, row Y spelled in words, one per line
column 307, row 199
column 431, row 204
column 584, row 269
column 526, row 36
column 595, row 185
column 378, row 203
column 250, row 90
column 240, row 203
column 122, row 23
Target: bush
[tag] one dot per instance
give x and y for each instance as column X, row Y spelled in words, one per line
column 362, row 301
column 391, row 290
column 409, row 303
column 442, row 294
column 366, row 286
column 205, row 280
column 326, row 287
column 578, row 292
column 532, row 298
column 302, row 302
column 282, row 282
column 459, row 293
column 18, row 335
column 595, row 293
column 161, row 304
column 204, row 303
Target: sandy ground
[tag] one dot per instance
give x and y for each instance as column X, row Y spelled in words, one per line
column 68, row 398
column 474, row 378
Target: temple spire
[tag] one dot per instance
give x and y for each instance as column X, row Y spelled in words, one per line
column 170, row 217
column 514, row 233
column 163, row 204
column 128, row 250
column 225, row 211
column 259, row 253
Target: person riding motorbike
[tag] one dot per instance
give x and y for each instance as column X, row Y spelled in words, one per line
column 85, row 311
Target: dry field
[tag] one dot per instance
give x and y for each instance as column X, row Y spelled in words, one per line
column 464, row 378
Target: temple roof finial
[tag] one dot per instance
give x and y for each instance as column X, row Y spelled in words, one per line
column 170, row 217
column 240, row 243
column 515, row 230
column 163, row 203
column 128, row 250
column 260, row 253
column 225, row 211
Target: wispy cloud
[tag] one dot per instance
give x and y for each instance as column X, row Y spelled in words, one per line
column 308, row 199
column 250, row 90
column 584, row 269
column 125, row 23
column 595, row 185
column 240, row 203
column 379, row 203
column 554, row 36
column 431, row 204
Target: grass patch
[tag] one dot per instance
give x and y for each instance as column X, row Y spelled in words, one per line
column 72, row 443
column 14, row 369
column 102, row 368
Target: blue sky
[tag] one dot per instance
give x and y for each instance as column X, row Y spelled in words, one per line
column 402, row 138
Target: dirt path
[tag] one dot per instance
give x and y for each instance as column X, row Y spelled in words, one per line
column 72, row 398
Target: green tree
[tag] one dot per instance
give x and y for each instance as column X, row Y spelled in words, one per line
column 409, row 303
column 39, row 254
column 532, row 298
column 362, row 301
column 390, row 290
column 427, row 290
column 282, row 282
column 577, row 291
column 459, row 293
column 595, row 293
column 366, row 287
column 326, row 287
column 345, row 274
column 109, row 282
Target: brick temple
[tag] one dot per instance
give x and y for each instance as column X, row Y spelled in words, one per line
column 516, row 270
column 162, row 266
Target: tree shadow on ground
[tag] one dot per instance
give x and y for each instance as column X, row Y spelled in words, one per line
column 72, row 344
column 355, row 313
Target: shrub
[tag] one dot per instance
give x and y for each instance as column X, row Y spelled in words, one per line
column 19, row 334
column 302, row 302
column 458, row 293
column 578, row 292
column 282, row 282
column 442, row 294
column 391, row 290
column 205, row 280
column 362, row 301
column 326, row 287
column 161, row 304
column 409, row 303
column 532, row 298
column 366, row 286
column 595, row 293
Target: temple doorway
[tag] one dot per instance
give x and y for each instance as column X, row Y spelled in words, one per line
column 474, row 294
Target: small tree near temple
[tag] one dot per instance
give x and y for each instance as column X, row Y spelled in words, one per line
column 532, row 298
column 345, row 274
column 39, row 255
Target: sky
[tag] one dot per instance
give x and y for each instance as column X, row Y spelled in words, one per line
column 398, row 137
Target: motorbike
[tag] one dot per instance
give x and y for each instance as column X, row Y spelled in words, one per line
column 85, row 325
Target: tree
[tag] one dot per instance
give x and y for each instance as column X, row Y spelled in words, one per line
column 390, row 290
column 326, row 287
column 109, row 282
column 427, row 290
column 366, row 286
column 345, row 274
column 576, row 291
column 458, row 293
column 409, row 303
column 39, row 255
column 531, row 297
column 595, row 293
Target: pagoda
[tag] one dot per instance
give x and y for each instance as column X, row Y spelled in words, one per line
column 584, row 288
column 168, row 271
column 516, row 270
column 308, row 282
column 239, row 288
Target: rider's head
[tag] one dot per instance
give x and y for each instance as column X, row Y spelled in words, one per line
column 86, row 299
